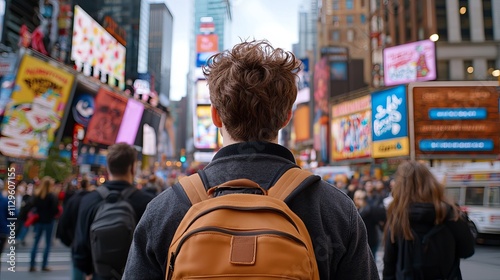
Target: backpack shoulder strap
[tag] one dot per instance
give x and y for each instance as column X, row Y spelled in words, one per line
column 127, row 192
column 193, row 187
column 291, row 183
column 103, row 191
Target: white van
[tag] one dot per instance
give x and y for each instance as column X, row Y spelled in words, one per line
column 478, row 193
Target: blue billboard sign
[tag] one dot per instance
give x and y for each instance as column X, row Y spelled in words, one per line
column 458, row 113
column 456, row 145
column 389, row 114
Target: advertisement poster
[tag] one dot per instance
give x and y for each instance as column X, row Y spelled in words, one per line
column 34, row 113
column 105, row 123
column 459, row 119
column 390, row 123
column 130, row 122
column 321, row 95
column 148, row 131
column 351, row 129
column 205, row 131
column 83, row 108
column 410, row 63
column 93, row 46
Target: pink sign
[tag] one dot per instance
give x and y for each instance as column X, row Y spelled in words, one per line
column 130, row 122
column 409, row 63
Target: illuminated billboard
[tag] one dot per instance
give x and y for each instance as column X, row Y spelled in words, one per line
column 93, row 46
column 410, row 63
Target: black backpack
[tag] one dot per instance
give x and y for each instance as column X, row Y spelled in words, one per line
column 428, row 256
column 111, row 232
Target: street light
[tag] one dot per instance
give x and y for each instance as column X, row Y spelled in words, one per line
column 496, row 73
column 434, row 37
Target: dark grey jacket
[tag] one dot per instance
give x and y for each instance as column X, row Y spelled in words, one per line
column 336, row 229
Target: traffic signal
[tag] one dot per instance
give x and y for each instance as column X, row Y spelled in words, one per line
column 182, row 157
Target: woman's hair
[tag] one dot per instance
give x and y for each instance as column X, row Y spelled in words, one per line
column 415, row 184
column 253, row 88
column 45, row 187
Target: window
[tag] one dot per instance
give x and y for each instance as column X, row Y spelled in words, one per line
column 335, row 5
column 362, row 19
column 488, row 20
column 350, row 20
column 443, row 70
column 441, row 17
column 474, row 196
column 469, row 70
column 349, row 4
column 494, row 197
column 336, row 21
column 464, row 21
column 336, row 36
column 350, row 35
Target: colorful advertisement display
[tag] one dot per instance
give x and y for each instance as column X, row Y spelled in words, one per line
column 206, row 46
column 302, row 123
column 130, row 122
column 93, row 46
column 83, row 108
column 321, row 95
column 390, row 123
column 455, row 118
column 34, row 113
column 148, row 131
column 202, row 92
column 105, row 123
column 411, row 62
column 205, row 132
column 351, row 129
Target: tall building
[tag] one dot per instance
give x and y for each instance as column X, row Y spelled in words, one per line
column 469, row 33
column 343, row 23
column 219, row 11
column 17, row 13
column 160, row 47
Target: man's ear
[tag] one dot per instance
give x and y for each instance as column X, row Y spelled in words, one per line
column 215, row 117
column 288, row 118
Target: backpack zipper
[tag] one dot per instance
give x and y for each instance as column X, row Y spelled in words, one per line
column 238, row 208
column 225, row 231
column 171, row 267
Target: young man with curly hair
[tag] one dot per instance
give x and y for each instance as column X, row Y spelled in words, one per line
column 252, row 91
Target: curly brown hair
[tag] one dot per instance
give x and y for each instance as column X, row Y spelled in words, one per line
column 253, row 88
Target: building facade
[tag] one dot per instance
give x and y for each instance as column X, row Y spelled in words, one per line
column 160, row 47
column 468, row 34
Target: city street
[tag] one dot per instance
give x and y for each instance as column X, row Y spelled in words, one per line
column 484, row 265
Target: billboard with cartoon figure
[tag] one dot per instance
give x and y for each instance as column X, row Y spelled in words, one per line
column 36, row 108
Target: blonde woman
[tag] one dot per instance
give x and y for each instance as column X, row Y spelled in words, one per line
column 420, row 207
column 45, row 203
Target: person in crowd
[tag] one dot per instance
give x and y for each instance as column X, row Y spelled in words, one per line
column 67, row 222
column 25, row 206
column 419, row 204
column 372, row 216
column 259, row 80
column 46, row 205
column 372, row 197
column 121, row 161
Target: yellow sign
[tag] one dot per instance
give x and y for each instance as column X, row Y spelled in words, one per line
column 391, row 148
column 35, row 111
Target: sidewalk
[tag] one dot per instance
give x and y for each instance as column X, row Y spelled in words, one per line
column 59, row 261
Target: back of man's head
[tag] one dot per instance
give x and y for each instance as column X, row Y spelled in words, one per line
column 121, row 158
column 253, row 88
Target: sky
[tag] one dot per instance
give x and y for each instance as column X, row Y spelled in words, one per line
column 274, row 20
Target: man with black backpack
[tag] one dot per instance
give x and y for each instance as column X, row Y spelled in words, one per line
column 107, row 217
column 251, row 213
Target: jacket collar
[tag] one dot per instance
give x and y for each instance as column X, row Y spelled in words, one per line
column 253, row 148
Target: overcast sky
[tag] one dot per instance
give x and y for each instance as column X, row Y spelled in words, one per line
column 274, row 20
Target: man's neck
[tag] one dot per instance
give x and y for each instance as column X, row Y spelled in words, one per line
column 128, row 178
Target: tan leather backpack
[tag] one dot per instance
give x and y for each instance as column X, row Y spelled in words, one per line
column 241, row 235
